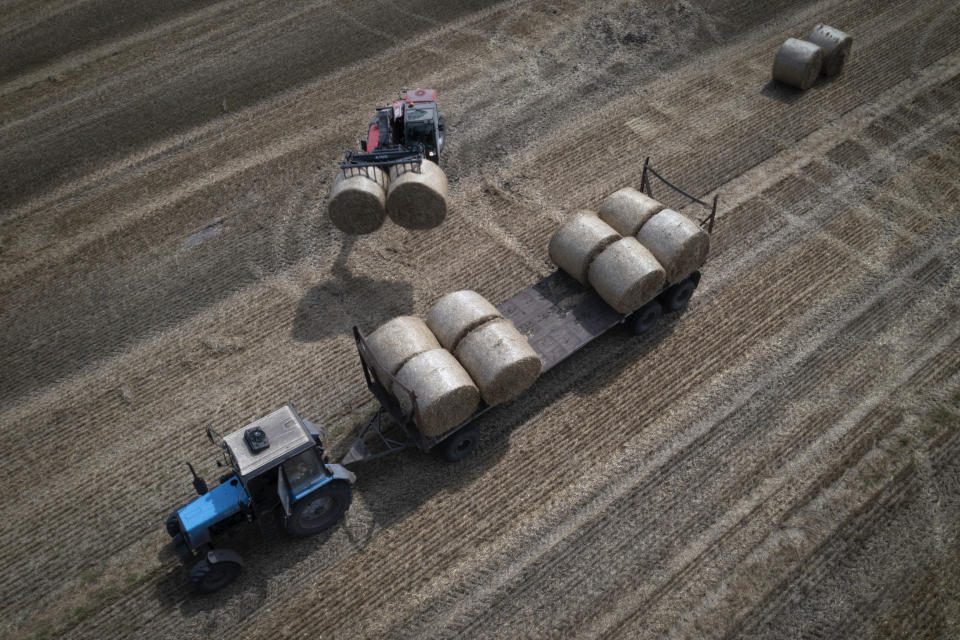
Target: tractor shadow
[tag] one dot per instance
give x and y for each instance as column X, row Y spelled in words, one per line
column 344, row 300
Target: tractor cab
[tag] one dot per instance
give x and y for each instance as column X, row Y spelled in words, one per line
column 423, row 125
column 277, row 468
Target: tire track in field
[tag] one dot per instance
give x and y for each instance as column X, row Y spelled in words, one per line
column 890, row 519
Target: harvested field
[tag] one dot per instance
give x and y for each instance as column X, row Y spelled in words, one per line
column 778, row 461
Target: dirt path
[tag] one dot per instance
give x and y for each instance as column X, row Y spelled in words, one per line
column 779, row 460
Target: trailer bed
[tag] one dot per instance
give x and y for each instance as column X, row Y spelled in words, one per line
column 558, row 316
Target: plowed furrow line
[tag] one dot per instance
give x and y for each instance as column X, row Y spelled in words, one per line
column 873, row 513
column 840, row 550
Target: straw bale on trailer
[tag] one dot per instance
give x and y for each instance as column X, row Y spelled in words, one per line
column 626, row 275
column 357, row 203
column 627, row 209
column 500, row 360
column 446, row 396
column 397, row 341
column 578, row 241
column 677, row 243
column 455, row 314
column 417, row 200
column 836, row 47
column 797, row 63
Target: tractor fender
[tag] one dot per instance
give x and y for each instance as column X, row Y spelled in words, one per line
column 340, row 472
column 224, row 555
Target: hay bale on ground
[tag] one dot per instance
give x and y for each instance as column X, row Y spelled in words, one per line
column 578, row 241
column 627, row 275
column 446, row 396
column 627, row 209
column 797, row 63
column 417, row 200
column 456, row 314
column 357, row 203
column 500, row 360
column 836, row 47
column 397, row 341
column 677, row 243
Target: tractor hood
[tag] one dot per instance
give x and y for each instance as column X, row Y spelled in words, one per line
column 217, row 504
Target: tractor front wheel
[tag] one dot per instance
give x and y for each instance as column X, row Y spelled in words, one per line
column 320, row 510
column 215, row 571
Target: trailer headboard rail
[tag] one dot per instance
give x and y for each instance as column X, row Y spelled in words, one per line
column 646, row 188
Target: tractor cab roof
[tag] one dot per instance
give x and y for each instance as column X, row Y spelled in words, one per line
column 422, row 95
column 265, row 443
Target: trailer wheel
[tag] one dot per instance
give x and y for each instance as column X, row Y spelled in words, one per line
column 645, row 318
column 677, row 296
column 320, row 510
column 215, row 571
column 459, row 445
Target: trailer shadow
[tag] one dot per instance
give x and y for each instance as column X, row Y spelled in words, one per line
column 395, row 486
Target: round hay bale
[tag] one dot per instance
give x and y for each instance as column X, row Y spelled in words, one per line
column 797, row 63
column 626, row 275
column 446, row 396
column 836, row 47
column 397, row 341
column 500, row 360
column 578, row 241
column 454, row 315
column 417, row 200
column 357, row 204
column 677, row 243
column 627, row 209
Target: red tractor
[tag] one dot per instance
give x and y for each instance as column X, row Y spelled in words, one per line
column 409, row 129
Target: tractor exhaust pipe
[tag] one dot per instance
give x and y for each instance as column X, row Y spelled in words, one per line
column 199, row 485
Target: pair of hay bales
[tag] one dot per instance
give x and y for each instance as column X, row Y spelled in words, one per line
column 629, row 249
column 363, row 197
column 799, row 62
column 492, row 360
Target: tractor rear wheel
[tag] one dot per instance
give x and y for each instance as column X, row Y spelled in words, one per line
column 320, row 510
column 215, row 571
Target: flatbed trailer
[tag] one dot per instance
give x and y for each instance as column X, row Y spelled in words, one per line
column 558, row 316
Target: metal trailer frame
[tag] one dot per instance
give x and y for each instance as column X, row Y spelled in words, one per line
column 558, row 315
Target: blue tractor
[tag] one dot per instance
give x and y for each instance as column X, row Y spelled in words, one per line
column 278, row 468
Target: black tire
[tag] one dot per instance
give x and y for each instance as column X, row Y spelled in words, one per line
column 173, row 523
column 215, row 571
column 677, row 296
column 645, row 318
column 459, row 445
column 320, row 510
